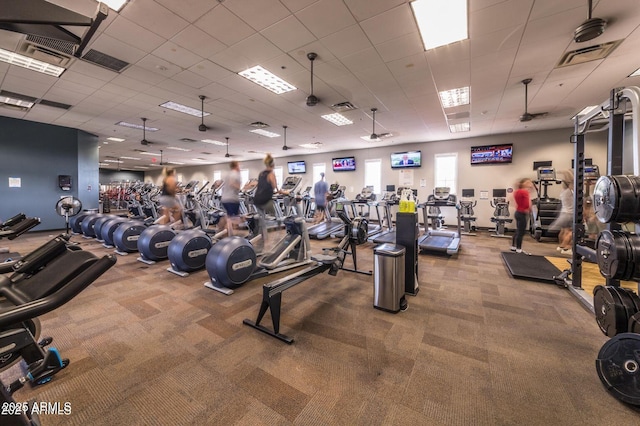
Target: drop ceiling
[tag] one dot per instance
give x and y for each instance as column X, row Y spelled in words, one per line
column 369, row 54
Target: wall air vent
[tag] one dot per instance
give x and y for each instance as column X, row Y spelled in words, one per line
column 343, row 106
column 588, row 54
column 54, row 104
column 259, row 125
column 43, row 53
column 52, row 44
column 187, row 140
column 105, row 61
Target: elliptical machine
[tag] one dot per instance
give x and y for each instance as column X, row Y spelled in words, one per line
column 501, row 215
column 544, row 209
column 467, row 215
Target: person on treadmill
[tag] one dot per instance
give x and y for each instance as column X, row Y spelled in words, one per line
column 564, row 221
column 522, row 198
column 320, row 192
column 231, row 196
column 170, row 207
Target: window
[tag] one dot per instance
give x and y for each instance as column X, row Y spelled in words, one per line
column 278, row 172
column 317, row 169
column 244, row 176
column 446, row 170
column 217, row 175
column 373, row 175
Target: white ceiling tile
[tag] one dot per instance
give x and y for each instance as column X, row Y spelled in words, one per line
column 288, row 34
column 498, row 16
column 347, row 41
column 191, row 79
column 128, row 32
column 87, row 68
column 390, row 25
column 17, row 84
column 364, row 9
column 190, row 10
column 130, row 84
column 159, row 66
column 296, row 5
column 403, row 46
column 231, row 61
column 10, row 40
column 326, row 17
column 256, row 47
column 154, row 17
column 223, row 25
column 209, row 70
column 507, row 38
column 197, row 41
column 259, row 15
column 141, row 74
column 363, row 59
column 177, row 55
column 113, row 47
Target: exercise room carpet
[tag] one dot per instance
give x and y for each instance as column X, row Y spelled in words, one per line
column 475, row 347
column 530, row 267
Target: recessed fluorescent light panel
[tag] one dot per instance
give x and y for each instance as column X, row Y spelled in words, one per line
column 175, row 163
column 184, row 109
column 212, row 142
column 337, row 119
column 140, row 167
column 635, row 73
column 114, row 4
column 115, row 139
column 130, row 158
column 265, row 133
column 267, row 80
column 112, row 161
column 177, row 148
column 441, row 22
column 16, row 102
column 149, row 153
column 454, row 97
column 198, row 159
column 460, row 127
column 136, row 126
column 314, row 145
column 30, row 63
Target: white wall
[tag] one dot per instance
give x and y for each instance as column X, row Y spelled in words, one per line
column 528, row 147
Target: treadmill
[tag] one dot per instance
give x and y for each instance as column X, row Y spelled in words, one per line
column 442, row 240
column 544, row 209
column 365, row 198
column 389, row 198
column 332, row 225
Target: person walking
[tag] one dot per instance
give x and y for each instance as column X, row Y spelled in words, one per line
column 522, row 198
column 171, row 212
column 320, row 192
column 230, row 198
column 564, row 222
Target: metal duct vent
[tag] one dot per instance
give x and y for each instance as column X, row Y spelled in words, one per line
column 206, row 153
column 105, row 61
column 51, row 43
column 458, row 115
column 259, row 125
column 43, row 53
column 343, row 106
column 54, row 104
column 20, row 96
column 187, row 140
column 588, row 54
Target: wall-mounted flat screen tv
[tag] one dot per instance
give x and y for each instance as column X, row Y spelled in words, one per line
column 344, row 164
column 492, row 154
column 297, row 167
column 401, row 160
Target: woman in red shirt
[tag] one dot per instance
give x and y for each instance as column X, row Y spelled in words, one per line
column 522, row 199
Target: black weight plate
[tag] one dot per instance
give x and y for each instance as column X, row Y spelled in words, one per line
column 618, row 366
column 627, row 302
column 613, row 252
column 636, row 299
column 611, row 314
column 634, row 323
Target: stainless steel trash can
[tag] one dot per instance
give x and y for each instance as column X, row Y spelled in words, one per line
column 388, row 281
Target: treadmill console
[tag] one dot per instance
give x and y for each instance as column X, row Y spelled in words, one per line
column 441, row 192
column 546, row 173
column 250, row 187
column 291, row 183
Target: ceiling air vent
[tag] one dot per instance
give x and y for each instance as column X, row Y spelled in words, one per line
column 53, row 44
column 43, row 53
column 20, row 96
column 54, row 104
column 105, row 61
column 458, row 115
column 259, row 125
column 206, row 153
column 343, row 106
column 187, row 140
column 588, row 54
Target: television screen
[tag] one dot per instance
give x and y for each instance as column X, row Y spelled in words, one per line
column 345, row 164
column 491, row 154
column 400, row 160
column 297, row 167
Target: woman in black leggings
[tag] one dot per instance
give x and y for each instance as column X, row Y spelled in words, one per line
column 522, row 199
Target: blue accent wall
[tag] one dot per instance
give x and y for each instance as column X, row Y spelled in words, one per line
column 36, row 154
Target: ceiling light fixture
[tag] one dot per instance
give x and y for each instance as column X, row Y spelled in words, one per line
column 137, row 126
column 177, row 148
column 265, row 133
column 635, row 73
column 454, row 97
column 337, row 119
column 115, row 4
column 460, row 127
column 441, row 23
column 184, row 109
column 130, row 158
column 149, row 153
column 266, row 79
column 30, row 63
column 16, row 102
column 116, row 139
column 140, row 167
column 313, row 145
column 213, row 142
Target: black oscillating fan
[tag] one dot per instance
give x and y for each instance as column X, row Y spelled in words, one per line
column 68, row 207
